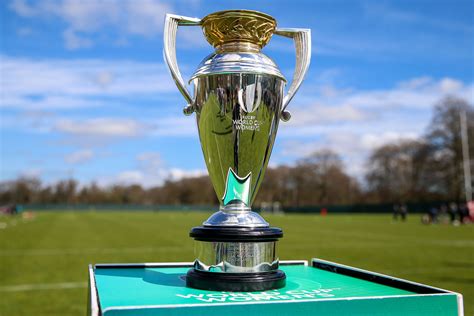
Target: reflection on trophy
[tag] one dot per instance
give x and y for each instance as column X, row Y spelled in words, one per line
column 238, row 100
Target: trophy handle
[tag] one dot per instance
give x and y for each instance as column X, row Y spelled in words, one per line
column 302, row 39
column 169, row 51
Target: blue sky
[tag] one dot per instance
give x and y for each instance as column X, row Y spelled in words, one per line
column 85, row 93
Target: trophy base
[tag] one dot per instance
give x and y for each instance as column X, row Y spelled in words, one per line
column 236, row 259
column 235, row 282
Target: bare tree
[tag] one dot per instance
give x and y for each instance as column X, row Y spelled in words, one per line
column 396, row 171
column 427, row 169
column 65, row 191
column 444, row 138
column 318, row 179
column 22, row 190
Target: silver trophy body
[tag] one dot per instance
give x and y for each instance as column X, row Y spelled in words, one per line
column 239, row 101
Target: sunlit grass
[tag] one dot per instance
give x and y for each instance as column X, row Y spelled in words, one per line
column 57, row 248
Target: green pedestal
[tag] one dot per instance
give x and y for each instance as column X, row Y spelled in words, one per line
column 324, row 288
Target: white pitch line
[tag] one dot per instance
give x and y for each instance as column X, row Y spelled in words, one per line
column 43, row 286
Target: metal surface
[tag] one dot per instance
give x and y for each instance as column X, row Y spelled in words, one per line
column 302, row 39
column 235, row 257
column 238, row 26
column 237, row 63
column 236, row 218
column 169, row 52
column 237, row 117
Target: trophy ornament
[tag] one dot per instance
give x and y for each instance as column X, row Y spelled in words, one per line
column 238, row 27
column 238, row 100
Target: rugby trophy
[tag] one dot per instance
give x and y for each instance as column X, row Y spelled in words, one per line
column 239, row 100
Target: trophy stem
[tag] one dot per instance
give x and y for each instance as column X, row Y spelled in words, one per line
column 235, row 207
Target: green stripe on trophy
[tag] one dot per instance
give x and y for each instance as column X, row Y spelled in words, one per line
column 237, row 189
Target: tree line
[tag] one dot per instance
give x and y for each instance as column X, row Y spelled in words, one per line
column 427, row 169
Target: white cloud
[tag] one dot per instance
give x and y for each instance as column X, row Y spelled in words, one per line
column 414, row 93
column 371, row 141
column 152, row 171
column 80, row 156
column 178, row 174
column 24, row 31
column 86, row 18
column 74, row 41
column 104, row 78
column 324, row 114
column 145, row 17
column 151, row 162
column 130, row 177
column 57, row 83
column 449, row 85
column 330, row 106
column 192, row 38
column 31, row 173
column 175, row 126
column 108, row 127
column 147, row 180
column 100, row 130
column 415, row 82
column 33, row 86
column 22, row 8
column 354, row 147
column 48, row 102
column 354, row 141
column 28, row 121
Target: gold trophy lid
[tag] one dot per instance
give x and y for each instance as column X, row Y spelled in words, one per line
column 238, row 26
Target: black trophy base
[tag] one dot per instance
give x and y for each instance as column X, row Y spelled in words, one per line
column 235, row 282
column 232, row 281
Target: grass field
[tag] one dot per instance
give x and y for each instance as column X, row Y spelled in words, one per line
column 43, row 261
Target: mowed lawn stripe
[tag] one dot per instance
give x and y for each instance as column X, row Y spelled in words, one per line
column 43, row 286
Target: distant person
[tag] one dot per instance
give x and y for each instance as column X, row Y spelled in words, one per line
column 453, row 212
column 403, row 211
column 443, row 209
column 396, row 211
column 463, row 213
column 433, row 214
column 9, row 209
column 470, row 207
